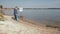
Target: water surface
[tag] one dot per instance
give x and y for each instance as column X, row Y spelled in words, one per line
column 45, row 16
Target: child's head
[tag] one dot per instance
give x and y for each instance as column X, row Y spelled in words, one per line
column 17, row 7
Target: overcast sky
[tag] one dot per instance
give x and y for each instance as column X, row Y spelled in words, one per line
column 31, row 3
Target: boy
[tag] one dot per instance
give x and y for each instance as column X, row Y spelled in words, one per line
column 15, row 13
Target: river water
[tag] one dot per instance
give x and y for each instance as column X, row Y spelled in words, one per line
column 45, row 16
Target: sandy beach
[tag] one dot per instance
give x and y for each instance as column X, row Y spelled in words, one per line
column 10, row 26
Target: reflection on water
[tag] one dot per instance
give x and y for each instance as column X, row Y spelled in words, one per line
column 46, row 16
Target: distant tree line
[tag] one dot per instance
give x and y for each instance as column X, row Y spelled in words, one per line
column 1, row 6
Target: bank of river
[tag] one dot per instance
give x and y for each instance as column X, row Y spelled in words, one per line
column 10, row 26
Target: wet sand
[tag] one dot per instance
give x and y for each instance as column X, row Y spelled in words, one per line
column 10, row 26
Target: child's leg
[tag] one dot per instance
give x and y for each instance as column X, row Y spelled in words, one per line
column 16, row 17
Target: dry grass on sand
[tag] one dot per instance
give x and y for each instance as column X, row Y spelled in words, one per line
column 10, row 26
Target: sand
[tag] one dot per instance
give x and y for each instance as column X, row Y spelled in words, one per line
column 10, row 26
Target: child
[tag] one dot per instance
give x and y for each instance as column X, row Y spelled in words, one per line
column 15, row 13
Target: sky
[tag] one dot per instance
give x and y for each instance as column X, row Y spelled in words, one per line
column 30, row 3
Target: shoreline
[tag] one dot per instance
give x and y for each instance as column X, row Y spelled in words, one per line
column 24, row 27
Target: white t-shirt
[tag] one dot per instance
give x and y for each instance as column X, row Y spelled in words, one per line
column 21, row 9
